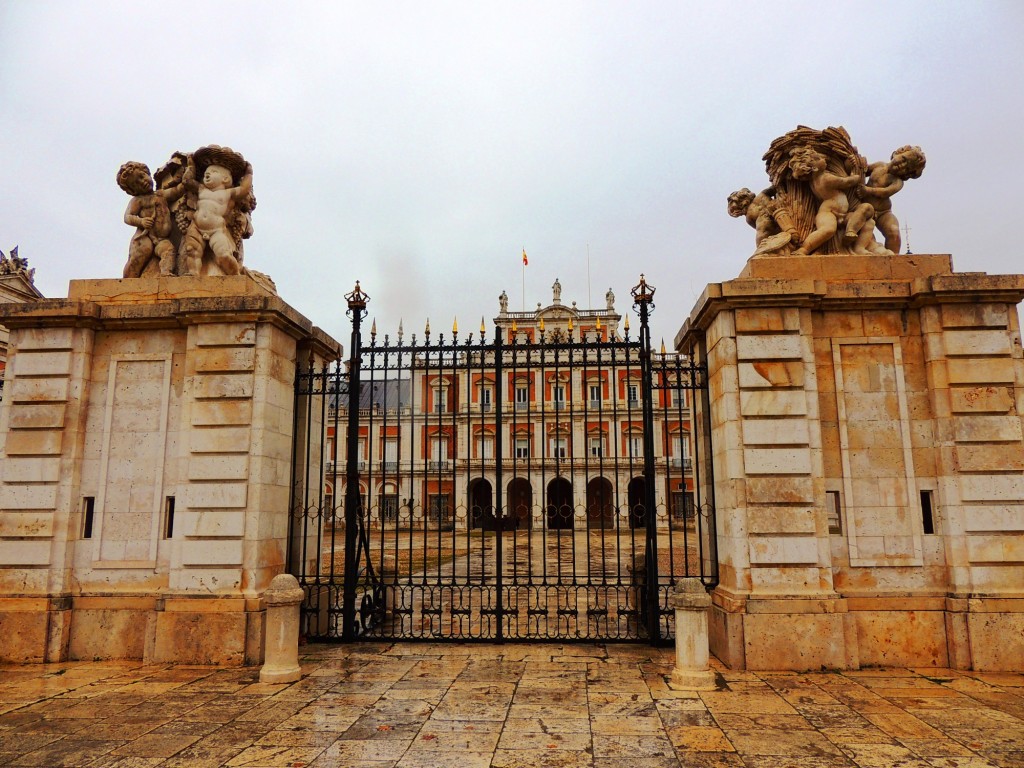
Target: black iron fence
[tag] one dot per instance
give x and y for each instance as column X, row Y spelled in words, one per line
column 552, row 487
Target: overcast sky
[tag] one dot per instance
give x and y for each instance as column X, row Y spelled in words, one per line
column 419, row 147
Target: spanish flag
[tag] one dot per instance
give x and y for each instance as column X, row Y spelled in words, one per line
column 525, row 260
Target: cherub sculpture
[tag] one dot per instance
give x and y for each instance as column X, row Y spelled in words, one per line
column 885, row 180
column 767, row 214
column 807, row 164
column 221, row 218
column 149, row 213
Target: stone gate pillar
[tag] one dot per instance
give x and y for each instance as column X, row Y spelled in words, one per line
column 145, row 448
column 868, row 462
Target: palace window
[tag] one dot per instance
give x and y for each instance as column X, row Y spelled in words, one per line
column 522, row 447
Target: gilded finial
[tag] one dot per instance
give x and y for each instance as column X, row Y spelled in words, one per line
column 541, row 325
column 455, row 325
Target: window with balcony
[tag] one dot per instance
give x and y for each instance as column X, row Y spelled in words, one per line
column 485, row 447
column 558, row 397
column 522, row 447
column 633, row 395
column 680, row 452
column 635, row 446
column 559, row 448
column 390, row 463
column 522, row 397
column 440, row 395
column 595, row 447
column 438, row 453
column 594, row 395
column 486, row 395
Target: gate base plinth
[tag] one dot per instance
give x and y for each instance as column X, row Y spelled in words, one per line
column 282, row 660
column 692, row 680
column 691, row 603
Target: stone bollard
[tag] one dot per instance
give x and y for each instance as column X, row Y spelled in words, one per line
column 281, row 660
column 691, row 602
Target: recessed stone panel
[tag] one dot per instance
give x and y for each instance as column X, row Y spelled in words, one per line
column 24, row 390
column 43, row 496
column 771, row 373
column 981, row 371
column 37, row 416
column 211, row 552
column 42, row 363
column 225, row 359
column 777, row 461
column 217, row 495
column 985, row 428
column 769, row 347
column 775, row 432
column 981, row 399
column 34, row 524
column 218, row 412
column 976, row 343
column 226, row 335
column 214, row 385
column 773, row 403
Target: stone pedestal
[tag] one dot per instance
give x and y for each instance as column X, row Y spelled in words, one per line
column 691, row 602
column 281, row 660
column 145, row 447
column 868, row 463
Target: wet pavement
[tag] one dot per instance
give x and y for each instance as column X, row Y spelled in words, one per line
column 416, row 705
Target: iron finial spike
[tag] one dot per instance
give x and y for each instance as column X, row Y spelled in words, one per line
column 455, row 325
column 426, row 330
column 483, row 328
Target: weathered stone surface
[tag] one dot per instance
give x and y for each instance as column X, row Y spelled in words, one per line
column 907, row 414
column 163, row 391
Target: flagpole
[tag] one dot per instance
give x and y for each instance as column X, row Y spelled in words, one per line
column 524, row 279
column 590, row 301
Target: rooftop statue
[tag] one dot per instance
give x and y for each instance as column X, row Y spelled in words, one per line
column 824, row 196
column 150, row 214
column 195, row 220
column 15, row 265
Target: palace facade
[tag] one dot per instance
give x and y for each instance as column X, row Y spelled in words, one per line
column 552, row 437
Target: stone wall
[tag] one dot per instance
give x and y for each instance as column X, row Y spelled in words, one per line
column 869, row 463
column 145, row 446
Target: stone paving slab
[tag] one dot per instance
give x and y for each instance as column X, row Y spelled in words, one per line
column 417, row 705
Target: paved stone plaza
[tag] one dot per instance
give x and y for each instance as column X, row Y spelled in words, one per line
column 419, row 706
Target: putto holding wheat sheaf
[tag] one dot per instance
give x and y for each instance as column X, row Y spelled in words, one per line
column 824, row 197
column 191, row 216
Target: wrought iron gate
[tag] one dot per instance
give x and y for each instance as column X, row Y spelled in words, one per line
column 551, row 488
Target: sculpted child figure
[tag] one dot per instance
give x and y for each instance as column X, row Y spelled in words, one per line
column 773, row 226
column 830, row 189
column 149, row 213
column 219, row 207
column 884, row 181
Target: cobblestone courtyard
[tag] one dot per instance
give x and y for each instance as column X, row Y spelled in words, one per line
column 419, row 706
